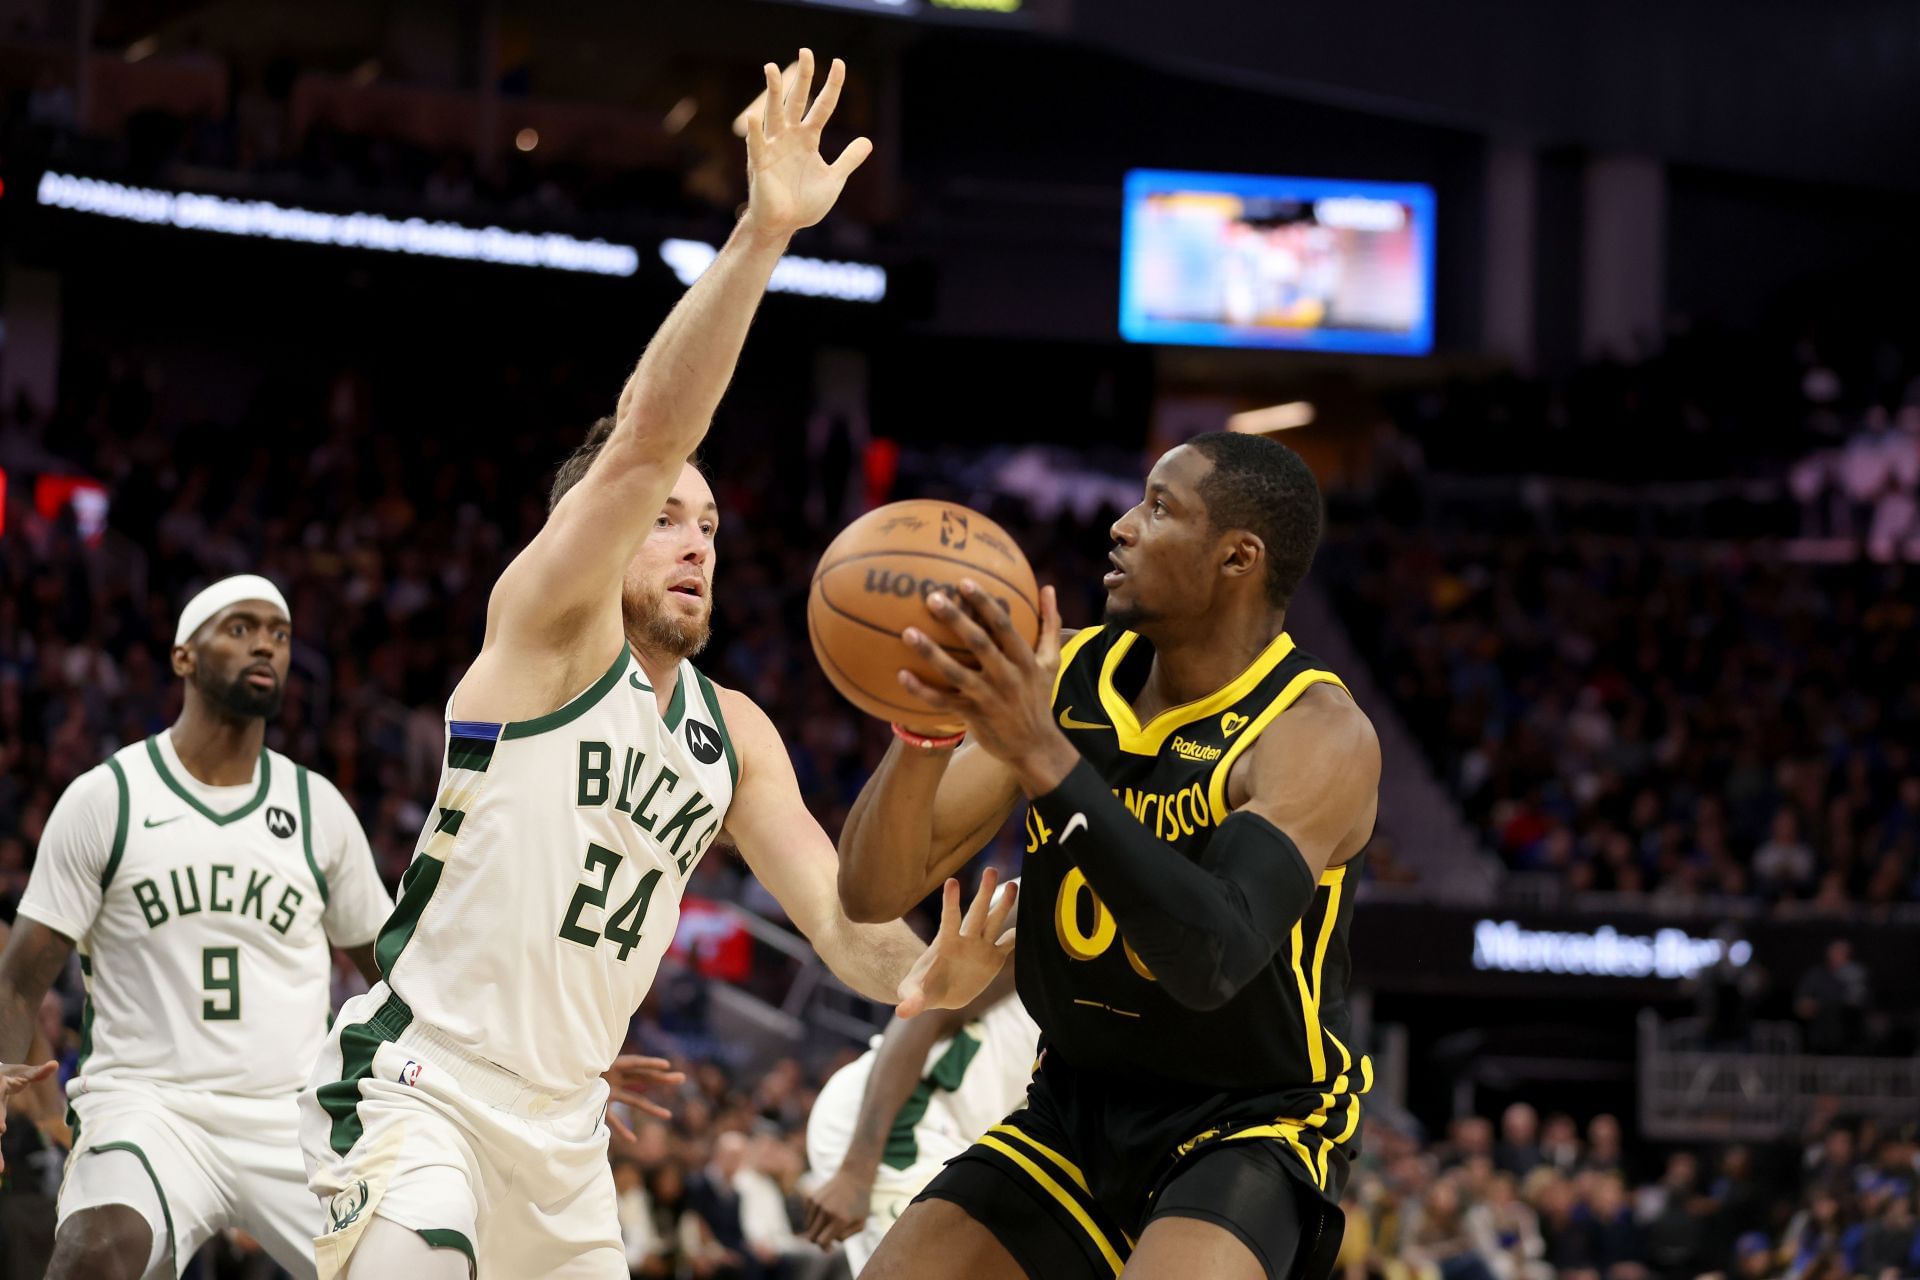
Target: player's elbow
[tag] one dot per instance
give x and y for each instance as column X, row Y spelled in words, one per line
column 865, row 902
column 1201, row 992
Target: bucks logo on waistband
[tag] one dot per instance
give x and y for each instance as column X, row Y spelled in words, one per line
column 345, row 1208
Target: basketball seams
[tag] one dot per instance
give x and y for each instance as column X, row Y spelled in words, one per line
column 1033, row 603
column 826, row 658
column 953, row 650
column 861, row 634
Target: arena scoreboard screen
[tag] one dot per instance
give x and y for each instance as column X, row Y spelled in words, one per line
column 1238, row 260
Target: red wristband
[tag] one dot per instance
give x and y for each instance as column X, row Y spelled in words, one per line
column 923, row 742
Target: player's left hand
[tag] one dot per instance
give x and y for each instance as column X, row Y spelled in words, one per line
column 837, row 1208
column 21, row 1078
column 966, row 954
column 630, row 1073
column 790, row 185
column 1006, row 698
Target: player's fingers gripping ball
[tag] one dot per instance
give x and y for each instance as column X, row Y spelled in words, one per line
column 873, row 583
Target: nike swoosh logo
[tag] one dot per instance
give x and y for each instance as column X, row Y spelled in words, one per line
column 633, row 678
column 1068, row 722
column 164, row 821
column 1078, row 822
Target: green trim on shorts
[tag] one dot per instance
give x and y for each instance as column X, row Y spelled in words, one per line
column 158, row 1190
column 446, row 1238
column 86, row 1046
column 359, row 1042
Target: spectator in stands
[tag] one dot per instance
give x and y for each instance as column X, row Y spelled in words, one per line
column 1603, row 1146
column 1892, row 1243
column 1783, row 867
column 1725, row 993
column 1671, row 1215
column 1519, row 1151
column 1438, row 1241
column 1467, row 1137
column 649, row 1254
column 1832, row 1000
column 1827, row 1229
column 768, row 1172
column 1506, row 1233
column 1560, row 1143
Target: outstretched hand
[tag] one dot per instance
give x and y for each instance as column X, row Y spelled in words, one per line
column 14, row 1078
column 790, row 185
column 630, row 1073
column 966, row 954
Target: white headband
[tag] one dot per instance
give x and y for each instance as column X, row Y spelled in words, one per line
column 227, row 591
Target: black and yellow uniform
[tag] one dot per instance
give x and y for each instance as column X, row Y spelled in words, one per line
column 1133, row 1087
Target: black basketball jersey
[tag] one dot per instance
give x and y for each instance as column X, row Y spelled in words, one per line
column 1286, row 1032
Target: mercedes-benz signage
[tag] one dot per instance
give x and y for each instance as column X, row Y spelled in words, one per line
column 1507, row 947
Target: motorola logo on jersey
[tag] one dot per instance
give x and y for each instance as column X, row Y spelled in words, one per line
column 704, row 741
column 280, row 822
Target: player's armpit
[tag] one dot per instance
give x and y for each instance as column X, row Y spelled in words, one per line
column 1315, row 774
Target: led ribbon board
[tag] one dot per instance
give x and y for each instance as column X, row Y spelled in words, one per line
column 265, row 220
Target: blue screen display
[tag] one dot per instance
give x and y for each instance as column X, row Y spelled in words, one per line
column 1312, row 264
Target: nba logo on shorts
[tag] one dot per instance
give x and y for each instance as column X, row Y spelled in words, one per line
column 410, row 1073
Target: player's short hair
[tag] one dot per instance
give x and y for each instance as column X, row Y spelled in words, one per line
column 574, row 469
column 1261, row 485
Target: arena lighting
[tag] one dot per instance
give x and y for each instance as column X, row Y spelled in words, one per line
column 262, row 219
column 1506, row 947
column 1276, row 417
column 809, row 277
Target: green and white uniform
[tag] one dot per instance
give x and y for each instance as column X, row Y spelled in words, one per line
column 202, row 916
column 971, row 1080
column 461, row 1097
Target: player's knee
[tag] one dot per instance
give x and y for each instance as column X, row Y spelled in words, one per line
column 112, row 1242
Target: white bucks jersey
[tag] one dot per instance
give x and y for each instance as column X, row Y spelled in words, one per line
column 546, row 885
column 202, row 927
column 986, row 1067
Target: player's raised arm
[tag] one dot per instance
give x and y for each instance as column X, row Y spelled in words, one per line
column 789, row 854
column 562, row 592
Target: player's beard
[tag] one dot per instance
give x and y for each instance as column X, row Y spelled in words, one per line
column 650, row 627
column 1126, row 617
column 239, row 699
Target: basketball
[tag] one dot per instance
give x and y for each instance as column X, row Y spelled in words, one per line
column 873, row 582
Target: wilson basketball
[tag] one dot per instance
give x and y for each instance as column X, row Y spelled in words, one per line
column 873, row 582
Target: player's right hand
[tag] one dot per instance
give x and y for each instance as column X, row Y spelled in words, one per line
column 14, row 1078
column 837, row 1208
column 790, row 185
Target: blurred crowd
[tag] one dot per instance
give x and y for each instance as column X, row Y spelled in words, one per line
column 1688, row 724
column 1543, row 1201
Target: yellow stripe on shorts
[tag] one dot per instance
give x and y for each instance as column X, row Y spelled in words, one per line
column 1059, row 1193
